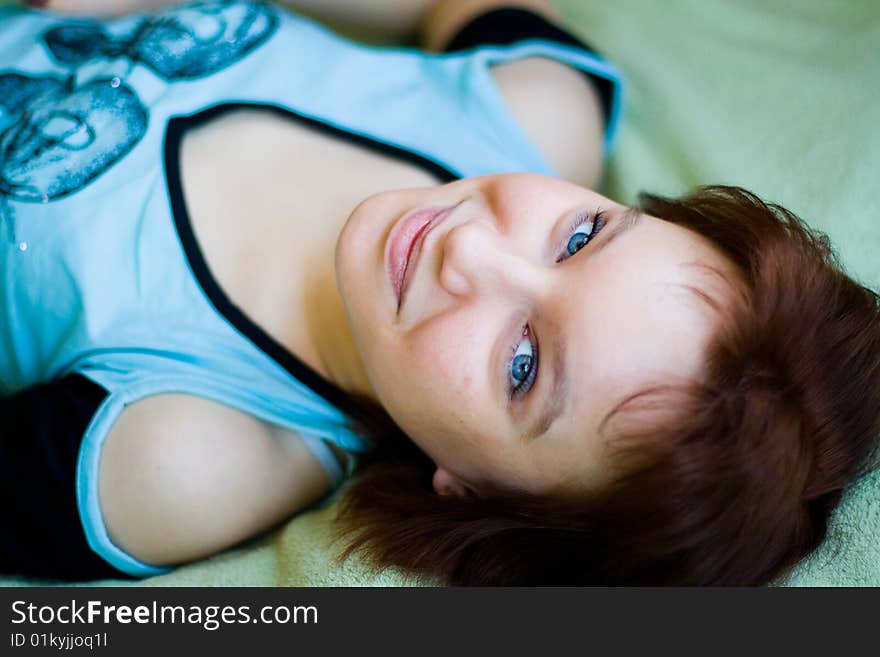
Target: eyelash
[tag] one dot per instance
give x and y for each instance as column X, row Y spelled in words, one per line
column 517, row 391
column 598, row 220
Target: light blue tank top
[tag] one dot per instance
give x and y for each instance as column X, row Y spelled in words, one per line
column 100, row 273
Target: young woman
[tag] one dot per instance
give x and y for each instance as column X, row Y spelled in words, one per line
column 245, row 256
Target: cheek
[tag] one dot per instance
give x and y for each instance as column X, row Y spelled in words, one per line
column 361, row 278
column 357, row 242
column 448, row 350
column 434, row 378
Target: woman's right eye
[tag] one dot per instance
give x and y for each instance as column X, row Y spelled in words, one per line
column 523, row 367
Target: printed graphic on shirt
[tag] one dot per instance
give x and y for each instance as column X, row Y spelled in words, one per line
column 57, row 134
column 184, row 42
column 58, row 137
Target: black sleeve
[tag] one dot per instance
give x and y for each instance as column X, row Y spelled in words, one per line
column 40, row 432
column 509, row 25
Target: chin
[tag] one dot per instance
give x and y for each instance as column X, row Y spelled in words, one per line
column 350, row 256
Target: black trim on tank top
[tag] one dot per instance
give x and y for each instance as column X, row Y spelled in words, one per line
column 509, row 25
column 175, row 130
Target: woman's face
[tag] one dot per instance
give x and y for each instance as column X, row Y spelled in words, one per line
column 533, row 307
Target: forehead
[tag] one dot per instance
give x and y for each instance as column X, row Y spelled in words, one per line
column 632, row 320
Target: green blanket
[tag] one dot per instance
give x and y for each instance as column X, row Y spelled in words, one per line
column 779, row 97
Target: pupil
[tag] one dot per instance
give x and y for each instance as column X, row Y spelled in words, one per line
column 521, row 366
column 577, row 242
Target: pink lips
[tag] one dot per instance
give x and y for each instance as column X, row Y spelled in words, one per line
column 404, row 244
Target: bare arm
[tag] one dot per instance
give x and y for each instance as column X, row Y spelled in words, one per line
column 183, row 477
column 393, row 19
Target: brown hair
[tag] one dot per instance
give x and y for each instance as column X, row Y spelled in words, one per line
column 735, row 490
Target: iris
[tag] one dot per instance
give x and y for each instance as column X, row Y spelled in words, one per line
column 521, row 366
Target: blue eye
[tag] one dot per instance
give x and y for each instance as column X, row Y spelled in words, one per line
column 523, row 365
column 577, row 242
column 582, row 231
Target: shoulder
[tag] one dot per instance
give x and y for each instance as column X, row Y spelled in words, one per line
column 561, row 113
column 182, row 477
column 557, row 105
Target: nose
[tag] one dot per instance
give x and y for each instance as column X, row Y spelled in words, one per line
column 477, row 259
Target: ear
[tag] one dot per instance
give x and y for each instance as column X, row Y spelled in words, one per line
column 446, row 483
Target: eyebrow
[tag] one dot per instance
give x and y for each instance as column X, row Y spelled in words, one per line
column 556, row 400
column 627, row 221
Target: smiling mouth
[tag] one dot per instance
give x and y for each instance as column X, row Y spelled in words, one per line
column 404, row 246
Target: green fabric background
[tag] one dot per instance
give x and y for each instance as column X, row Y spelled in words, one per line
column 780, row 97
